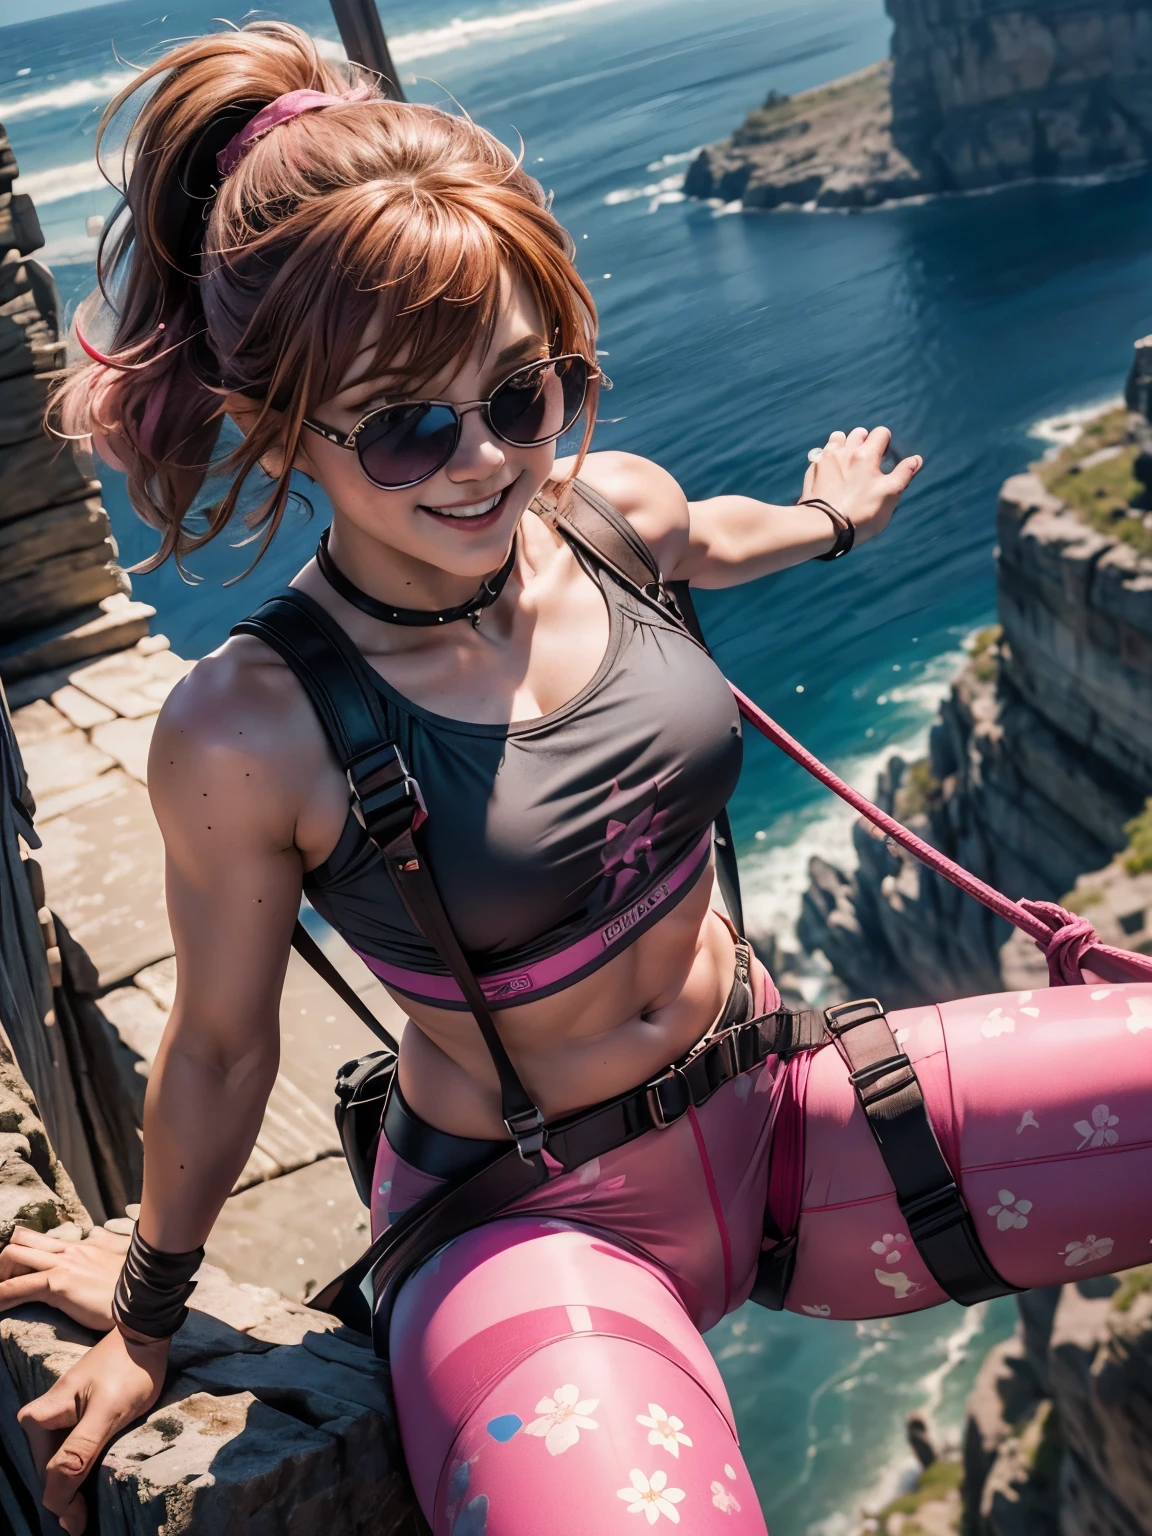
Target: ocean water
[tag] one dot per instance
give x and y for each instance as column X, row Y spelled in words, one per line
column 735, row 343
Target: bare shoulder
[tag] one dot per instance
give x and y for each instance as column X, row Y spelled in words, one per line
column 240, row 733
column 647, row 495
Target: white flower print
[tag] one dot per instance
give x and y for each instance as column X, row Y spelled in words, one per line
column 887, row 1245
column 1088, row 1251
column 664, row 1429
column 823, row 1310
column 1027, row 1119
column 1140, row 1011
column 898, row 1282
column 1010, row 1212
column 652, row 1496
column 724, row 1499
column 562, row 1417
column 997, row 1023
column 1101, row 994
column 729, row 1473
column 1100, row 1132
column 1026, row 997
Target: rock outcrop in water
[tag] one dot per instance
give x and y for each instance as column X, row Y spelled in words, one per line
column 979, row 93
column 1042, row 754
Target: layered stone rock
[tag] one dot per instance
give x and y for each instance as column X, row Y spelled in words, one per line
column 978, row 93
column 273, row 1418
column 1041, row 756
column 62, row 595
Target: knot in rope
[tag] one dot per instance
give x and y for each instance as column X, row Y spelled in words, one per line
column 1069, row 944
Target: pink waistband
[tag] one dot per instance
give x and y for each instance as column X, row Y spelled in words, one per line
column 554, row 971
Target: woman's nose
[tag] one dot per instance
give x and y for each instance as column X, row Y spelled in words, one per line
column 479, row 453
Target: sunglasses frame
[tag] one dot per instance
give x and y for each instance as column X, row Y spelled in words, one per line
column 460, row 409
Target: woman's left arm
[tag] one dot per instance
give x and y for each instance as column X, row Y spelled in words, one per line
column 731, row 539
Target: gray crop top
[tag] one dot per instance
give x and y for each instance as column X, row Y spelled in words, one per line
column 554, row 842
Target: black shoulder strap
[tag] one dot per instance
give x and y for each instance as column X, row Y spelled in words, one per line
column 893, row 1103
column 308, row 949
column 597, row 527
column 389, row 804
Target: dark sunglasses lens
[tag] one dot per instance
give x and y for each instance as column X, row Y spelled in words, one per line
column 404, row 444
column 540, row 402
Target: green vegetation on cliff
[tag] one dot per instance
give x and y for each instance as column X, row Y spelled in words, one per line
column 1138, row 854
column 1095, row 475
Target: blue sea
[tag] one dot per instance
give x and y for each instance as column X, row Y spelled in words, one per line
column 735, row 342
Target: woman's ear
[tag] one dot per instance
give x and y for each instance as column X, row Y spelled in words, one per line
column 245, row 413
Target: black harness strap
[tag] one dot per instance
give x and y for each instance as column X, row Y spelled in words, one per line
column 893, row 1103
column 572, row 1141
column 308, row 949
column 387, row 798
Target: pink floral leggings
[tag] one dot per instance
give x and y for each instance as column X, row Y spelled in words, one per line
column 549, row 1372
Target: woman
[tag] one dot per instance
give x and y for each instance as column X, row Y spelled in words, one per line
column 299, row 263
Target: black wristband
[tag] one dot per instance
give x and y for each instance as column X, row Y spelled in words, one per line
column 844, row 526
column 153, row 1288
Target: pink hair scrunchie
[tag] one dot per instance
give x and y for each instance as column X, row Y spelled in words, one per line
column 282, row 110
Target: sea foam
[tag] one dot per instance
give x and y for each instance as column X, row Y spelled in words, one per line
column 424, row 43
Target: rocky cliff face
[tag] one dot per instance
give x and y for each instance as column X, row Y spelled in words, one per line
column 1042, row 754
column 979, row 93
column 1058, row 1440
column 985, row 91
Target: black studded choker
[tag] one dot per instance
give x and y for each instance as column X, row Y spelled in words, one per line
column 490, row 590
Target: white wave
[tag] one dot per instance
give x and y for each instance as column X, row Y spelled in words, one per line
column 58, row 98
column 668, row 190
column 775, row 877
column 955, row 1350
column 62, row 181
column 1063, row 430
column 678, row 159
column 407, row 46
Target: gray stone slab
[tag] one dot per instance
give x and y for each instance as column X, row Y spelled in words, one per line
column 103, row 873
column 38, row 663
column 62, row 762
column 295, row 1131
column 159, row 981
column 82, row 711
column 128, row 742
column 294, row 1233
column 90, row 792
column 131, row 683
column 318, row 1032
column 38, row 722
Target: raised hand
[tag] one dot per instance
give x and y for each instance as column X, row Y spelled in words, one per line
column 76, row 1278
column 848, row 474
column 69, row 1426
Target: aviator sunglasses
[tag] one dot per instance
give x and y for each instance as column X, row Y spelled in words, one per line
column 401, row 445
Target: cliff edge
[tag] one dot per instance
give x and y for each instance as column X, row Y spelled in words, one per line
column 1041, row 758
column 977, row 93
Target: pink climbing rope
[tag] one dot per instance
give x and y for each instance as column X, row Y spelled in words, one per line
column 1067, row 941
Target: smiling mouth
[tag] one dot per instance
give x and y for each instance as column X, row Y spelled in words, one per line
column 473, row 510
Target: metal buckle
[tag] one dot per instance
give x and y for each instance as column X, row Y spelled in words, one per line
column 388, row 797
column 846, row 1016
column 661, row 1118
column 528, row 1131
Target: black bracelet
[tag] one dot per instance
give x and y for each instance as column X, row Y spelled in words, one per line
column 153, row 1288
column 844, row 526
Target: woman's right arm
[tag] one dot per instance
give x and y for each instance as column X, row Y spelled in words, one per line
column 225, row 793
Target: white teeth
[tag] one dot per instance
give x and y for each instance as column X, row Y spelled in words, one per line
column 475, row 509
